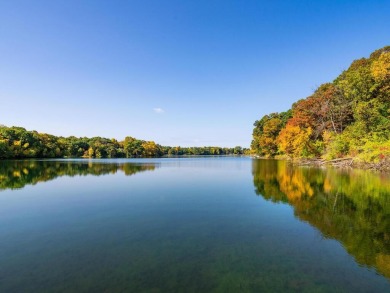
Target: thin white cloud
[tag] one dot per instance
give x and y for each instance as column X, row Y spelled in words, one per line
column 158, row 110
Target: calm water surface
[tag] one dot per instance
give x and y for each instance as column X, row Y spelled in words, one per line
column 192, row 225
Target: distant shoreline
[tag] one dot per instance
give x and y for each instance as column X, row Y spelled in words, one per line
column 19, row 143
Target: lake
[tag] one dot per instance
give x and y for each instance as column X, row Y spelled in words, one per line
column 216, row 224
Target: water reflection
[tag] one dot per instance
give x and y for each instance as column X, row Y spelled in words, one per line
column 352, row 206
column 17, row 174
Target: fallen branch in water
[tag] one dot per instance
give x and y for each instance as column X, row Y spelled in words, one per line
column 383, row 165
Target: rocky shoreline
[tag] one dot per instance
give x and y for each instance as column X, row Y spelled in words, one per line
column 342, row 163
column 382, row 166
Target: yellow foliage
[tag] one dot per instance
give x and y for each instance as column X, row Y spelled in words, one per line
column 16, row 173
column 293, row 140
column 91, row 152
column 328, row 136
column 327, row 185
column 293, row 184
column 150, row 148
column 383, row 264
column 380, row 68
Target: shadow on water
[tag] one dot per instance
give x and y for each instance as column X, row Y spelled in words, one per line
column 350, row 206
column 18, row 174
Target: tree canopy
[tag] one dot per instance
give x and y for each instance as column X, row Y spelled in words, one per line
column 347, row 117
column 19, row 143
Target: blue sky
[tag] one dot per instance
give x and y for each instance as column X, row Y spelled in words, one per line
column 176, row 72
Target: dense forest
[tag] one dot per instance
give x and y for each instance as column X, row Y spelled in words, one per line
column 349, row 117
column 18, row 143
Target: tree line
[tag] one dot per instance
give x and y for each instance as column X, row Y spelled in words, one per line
column 349, row 117
column 19, row 143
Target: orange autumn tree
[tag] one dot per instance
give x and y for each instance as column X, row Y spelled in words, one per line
column 294, row 140
column 327, row 109
column 266, row 131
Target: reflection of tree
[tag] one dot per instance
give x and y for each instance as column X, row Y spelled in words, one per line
column 352, row 207
column 17, row 174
